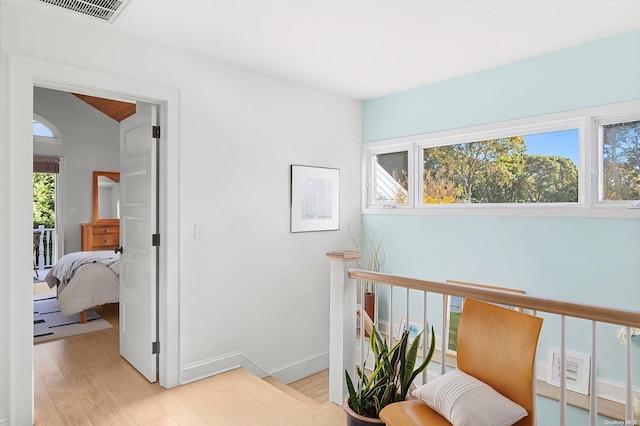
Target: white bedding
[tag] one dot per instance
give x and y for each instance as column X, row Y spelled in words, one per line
column 85, row 280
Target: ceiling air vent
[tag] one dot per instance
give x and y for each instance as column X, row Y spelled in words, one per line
column 105, row 10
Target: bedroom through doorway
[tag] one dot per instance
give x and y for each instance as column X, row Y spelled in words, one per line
column 29, row 74
column 80, row 115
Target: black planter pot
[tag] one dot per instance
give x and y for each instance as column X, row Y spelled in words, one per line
column 355, row 419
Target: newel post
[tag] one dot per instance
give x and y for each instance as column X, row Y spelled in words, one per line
column 342, row 324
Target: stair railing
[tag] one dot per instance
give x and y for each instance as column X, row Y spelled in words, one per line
column 44, row 256
column 344, row 311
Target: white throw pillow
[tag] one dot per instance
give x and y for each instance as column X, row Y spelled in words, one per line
column 466, row 401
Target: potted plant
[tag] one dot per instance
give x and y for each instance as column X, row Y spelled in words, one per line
column 392, row 376
column 373, row 260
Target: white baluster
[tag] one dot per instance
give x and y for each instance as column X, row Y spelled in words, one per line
column 406, row 309
column 41, row 248
column 362, row 327
column 563, row 373
column 629, row 394
column 593, row 406
column 426, row 336
column 54, row 239
column 390, row 315
column 445, row 333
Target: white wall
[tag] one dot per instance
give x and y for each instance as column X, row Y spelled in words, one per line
column 250, row 290
column 90, row 141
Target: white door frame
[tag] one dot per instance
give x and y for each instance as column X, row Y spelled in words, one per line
column 24, row 73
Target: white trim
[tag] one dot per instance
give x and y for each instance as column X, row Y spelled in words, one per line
column 287, row 373
column 584, row 120
column 607, row 389
column 23, row 74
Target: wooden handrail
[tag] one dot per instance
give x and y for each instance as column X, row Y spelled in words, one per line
column 578, row 310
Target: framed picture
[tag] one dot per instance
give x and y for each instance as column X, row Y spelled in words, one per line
column 455, row 304
column 415, row 327
column 315, row 199
column 577, row 369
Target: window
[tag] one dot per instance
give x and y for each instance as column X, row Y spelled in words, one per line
column 620, row 160
column 534, row 168
column 390, row 178
column 40, row 129
column 44, row 130
column 576, row 163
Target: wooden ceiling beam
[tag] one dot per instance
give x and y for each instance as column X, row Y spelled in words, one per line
column 117, row 110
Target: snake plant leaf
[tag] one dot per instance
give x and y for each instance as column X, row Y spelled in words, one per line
column 426, row 360
column 404, row 358
column 392, row 375
column 354, row 401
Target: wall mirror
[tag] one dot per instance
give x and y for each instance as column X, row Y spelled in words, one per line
column 106, row 196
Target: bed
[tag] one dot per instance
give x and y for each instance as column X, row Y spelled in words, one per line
column 85, row 279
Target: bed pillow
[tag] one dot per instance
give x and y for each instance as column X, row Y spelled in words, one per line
column 466, row 401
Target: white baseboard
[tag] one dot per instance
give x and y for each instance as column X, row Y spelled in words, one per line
column 286, row 373
column 607, row 388
column 302, row 368
column 4, row 422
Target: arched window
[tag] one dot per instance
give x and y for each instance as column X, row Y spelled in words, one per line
column 44, row 130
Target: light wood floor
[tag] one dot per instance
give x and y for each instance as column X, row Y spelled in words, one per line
column 82, row 380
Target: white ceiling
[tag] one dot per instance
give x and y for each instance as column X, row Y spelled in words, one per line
column 368, row 48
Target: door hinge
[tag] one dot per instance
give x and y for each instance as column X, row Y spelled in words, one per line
column 155, row 240
column 155, row 348
column 155, row 130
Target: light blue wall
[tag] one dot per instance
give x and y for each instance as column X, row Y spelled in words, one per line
column 591, row 260
column 602, row 72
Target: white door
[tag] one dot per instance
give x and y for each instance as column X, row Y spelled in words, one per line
column 138, row 224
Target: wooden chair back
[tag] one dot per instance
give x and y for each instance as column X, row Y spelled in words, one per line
column 498, row 346
column 495, row 345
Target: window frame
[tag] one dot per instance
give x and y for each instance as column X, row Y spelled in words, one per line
column 586, row 121
column 370, row 177
column 556, row 126
column 48, row 124
column 598, row 123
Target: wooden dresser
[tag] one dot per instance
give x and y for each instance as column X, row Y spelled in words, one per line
column 100, row 236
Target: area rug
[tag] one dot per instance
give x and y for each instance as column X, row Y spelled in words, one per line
column 49, row 323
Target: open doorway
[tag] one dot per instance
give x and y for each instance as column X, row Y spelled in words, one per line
column 48, row 178
column 71, row 138
column 44, row 223
column 102, row 136
column 30, row 73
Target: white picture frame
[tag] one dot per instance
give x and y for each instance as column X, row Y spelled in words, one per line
column 315, row 198
column 577, row 370
column 415, row 327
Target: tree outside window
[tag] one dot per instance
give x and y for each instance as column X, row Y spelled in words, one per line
column 504, row 170
column 44, row 195
column 621, row 161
